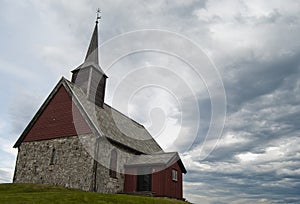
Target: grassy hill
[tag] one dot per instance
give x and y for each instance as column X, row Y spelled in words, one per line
column 45, row 194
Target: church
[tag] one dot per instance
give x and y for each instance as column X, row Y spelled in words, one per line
column 76, row 140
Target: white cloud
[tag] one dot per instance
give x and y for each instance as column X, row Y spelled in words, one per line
column 6, row 146
column 5, row 175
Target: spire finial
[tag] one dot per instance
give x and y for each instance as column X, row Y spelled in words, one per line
column 98, row 15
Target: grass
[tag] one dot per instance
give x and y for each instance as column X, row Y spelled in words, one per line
column 45, row 194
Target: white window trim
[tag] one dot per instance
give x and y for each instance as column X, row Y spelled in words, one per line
column 174, row 175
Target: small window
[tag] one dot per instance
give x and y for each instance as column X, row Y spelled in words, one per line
column 35, row 170
column 174, row 175
column 53, row 157
column 113, row 164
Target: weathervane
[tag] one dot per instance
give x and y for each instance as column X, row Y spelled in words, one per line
column 98, row 15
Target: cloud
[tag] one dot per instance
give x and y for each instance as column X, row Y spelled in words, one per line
column 256, row 160
column 258, row 150
column 254, row 44
column 5, row 176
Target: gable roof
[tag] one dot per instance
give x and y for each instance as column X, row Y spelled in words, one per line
column 115, row 125
column 106, row 122
column 38, row 113
column 164, row 159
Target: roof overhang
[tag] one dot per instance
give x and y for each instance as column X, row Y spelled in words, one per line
column 146, row 161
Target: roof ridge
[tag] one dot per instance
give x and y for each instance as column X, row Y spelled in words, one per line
column 82, row 106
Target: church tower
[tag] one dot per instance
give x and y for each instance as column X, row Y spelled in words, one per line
column 89, row 76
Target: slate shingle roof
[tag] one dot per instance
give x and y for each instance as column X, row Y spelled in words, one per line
column 160, row 159
column 116, row 126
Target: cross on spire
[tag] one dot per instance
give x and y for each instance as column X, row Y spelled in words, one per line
column 98, row 12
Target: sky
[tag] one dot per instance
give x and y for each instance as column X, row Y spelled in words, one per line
column 216, row 80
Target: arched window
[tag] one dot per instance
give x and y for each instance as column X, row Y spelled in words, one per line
column 113, row 164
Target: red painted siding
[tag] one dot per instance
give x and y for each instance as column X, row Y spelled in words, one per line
column 173, row 189
column 57, row 119
column 159, row 183
column 130, row 180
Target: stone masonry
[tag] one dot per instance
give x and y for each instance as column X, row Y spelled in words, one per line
column 74, row 164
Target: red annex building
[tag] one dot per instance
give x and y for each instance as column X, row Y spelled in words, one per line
column 163, row 175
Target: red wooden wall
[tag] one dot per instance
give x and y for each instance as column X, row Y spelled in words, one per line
column 57, row 119
column 130, row 180
column 173, row 189
column 159, row 183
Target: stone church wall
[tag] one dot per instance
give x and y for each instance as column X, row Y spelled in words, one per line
column 71, row 168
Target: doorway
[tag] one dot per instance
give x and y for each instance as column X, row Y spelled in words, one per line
column 144, row 181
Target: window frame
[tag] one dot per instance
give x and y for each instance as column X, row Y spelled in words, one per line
column 174, row 175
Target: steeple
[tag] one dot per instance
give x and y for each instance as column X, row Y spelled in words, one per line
column 92, row 53
column 89, row 76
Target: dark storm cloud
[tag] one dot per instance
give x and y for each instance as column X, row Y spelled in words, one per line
column 250, row 84
column 246, row 185
column 263, row 112
column 254, row 78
